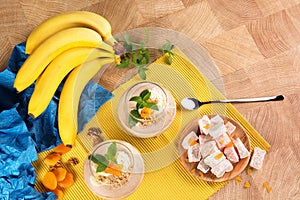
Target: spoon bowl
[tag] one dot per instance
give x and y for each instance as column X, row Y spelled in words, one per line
column 193, row 104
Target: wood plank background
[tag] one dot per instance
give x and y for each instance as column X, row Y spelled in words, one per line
column 255, row 44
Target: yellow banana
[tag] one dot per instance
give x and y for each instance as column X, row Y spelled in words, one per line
column 70, row 96
column 55, row 72
column 52, row 47
column 68, row 20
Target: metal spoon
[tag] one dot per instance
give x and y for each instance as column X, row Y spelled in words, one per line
column 193, row 104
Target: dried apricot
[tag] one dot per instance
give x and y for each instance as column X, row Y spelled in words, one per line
column 60, row 173
column 49, row 181
column 238, row 179
column 192, row 142
column 249, row 171
column 52, row 159
column 266, row 185
column 114, row 169
column 200, row 173
column 145, row 113
column 59, row 193
column 230, row 144
column 219, row 156
column 67, row 182
column 247, row 184
column 61, row 149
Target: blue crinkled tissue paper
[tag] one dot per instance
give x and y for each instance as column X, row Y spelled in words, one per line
column 22, row 137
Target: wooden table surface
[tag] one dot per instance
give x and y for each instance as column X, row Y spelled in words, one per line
column 254, row 43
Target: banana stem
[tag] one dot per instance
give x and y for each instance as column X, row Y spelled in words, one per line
column 106, row 47
column 111, row 41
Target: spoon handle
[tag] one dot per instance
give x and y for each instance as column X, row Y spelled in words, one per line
column 247, row 100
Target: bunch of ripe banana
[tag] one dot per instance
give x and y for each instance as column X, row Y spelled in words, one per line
column 74, row 45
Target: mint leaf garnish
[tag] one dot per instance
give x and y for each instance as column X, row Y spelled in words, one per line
column 100, row 160
column 101, row 167
column 103, row 160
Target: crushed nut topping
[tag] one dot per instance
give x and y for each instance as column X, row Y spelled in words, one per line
column 114, row 181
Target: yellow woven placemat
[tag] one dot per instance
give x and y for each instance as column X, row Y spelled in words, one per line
column 165, row 176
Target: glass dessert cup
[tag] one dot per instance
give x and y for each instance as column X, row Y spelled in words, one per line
column 113, row 170
column 146, row 109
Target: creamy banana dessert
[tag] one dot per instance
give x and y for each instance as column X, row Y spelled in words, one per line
column 146, row 109
column 114, row 169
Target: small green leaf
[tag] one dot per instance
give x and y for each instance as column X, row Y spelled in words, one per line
column 114, row 160
column 147, row 56
column 167, row 48
column 98, row 158
column 142, row 73
column 132, row 121
column 139, row 105
column 133, row 58
column 111, row 158
column 144, row 104
column 147, row 96
column 101, row 167
column 128, row 45
column 140, row 57
column 154, row 107
column 127, row 38
column 144, row 61
column 112, row 149
column 135, row 114
column 125, row 63
column 151, row 105
column 137, row 99
column 144, row 93
column 170, row 59
column 133, row 118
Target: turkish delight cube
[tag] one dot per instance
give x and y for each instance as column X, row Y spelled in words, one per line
column 230, row 128
column 203, row 167
column 221, row 168
column 194, row 154
column 222, row 141
column 231, row 154
column 242, row 150
column 257, row 158
column 214, row 158
column 204, row 124
column 208, row 148
column 217, row 126
column 189, row 140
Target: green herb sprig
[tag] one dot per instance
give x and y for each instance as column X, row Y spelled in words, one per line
column 141, row 102
column 167, row 49
column 137, row 54
column 103, row 160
